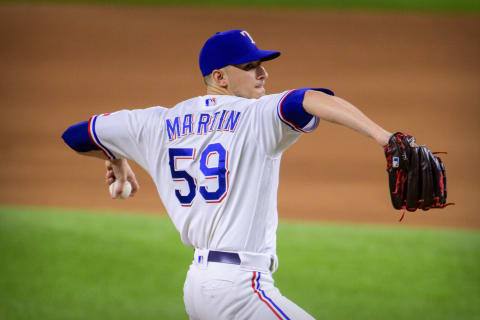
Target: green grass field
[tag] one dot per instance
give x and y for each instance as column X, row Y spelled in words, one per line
column 399, row 5
column 76, row 265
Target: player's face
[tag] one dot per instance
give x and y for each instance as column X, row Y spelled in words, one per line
column 247, row 80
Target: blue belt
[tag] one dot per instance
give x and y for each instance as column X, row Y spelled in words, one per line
column 223, row 257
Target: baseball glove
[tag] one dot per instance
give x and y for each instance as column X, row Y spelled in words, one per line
column 416, row 176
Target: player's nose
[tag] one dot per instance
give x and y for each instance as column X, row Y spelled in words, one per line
column 262, row 73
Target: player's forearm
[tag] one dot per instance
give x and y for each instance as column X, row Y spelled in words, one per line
column 339, row 111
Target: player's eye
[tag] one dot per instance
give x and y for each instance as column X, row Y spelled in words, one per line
column 248, row 67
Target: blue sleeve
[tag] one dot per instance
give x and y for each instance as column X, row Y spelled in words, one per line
column 78, row 138
column 291, row 109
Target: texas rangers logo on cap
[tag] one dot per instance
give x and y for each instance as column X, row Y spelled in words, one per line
column 246, row 34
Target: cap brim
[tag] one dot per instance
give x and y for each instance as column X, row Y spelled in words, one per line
column 262, row 55
column 270, row 55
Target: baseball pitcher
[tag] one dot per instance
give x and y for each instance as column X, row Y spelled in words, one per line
column 215, row 161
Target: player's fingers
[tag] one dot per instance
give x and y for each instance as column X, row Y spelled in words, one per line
column 118, row 188
column 135, row 185
column 120, row 169
column 110, row 173
column 109, row 176
column 135, row 188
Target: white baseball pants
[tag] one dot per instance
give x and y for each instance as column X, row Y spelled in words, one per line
column 222, row 291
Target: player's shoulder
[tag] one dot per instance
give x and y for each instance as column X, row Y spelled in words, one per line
column 155, row 110
column 185, row 104
column 208, row 103
column 149, row 113
column 275, row 97
column 252, row 103
column 213, row 103
column 266, row 102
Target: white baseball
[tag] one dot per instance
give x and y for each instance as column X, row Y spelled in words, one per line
column 127, row 189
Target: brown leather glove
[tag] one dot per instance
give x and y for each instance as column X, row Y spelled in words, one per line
column 416, row 176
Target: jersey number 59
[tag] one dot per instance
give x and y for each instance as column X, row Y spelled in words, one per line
column 219, row 172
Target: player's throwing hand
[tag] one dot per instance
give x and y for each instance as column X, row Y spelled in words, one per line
column 119, row 170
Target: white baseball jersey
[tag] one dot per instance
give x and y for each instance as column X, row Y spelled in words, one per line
column 215, row 161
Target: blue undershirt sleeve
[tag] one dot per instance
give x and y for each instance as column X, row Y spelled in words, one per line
column 77, row 138
column 291, row 108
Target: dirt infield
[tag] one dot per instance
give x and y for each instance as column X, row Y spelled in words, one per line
column 413, row 72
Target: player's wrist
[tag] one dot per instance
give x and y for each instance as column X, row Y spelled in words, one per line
column 118, row 162
column 383, row 137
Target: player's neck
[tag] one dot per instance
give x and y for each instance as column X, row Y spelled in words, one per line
column 216, row 90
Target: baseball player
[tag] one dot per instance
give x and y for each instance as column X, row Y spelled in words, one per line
column 215, row 161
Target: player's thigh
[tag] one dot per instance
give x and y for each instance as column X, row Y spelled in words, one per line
column 224, row 292
column 278, row 307
column 188, row 295
column 266, row 302
column 211, row 293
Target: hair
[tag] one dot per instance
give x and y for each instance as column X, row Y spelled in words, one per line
column 208, row 79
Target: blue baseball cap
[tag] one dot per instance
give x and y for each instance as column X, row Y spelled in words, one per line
column 231, row 47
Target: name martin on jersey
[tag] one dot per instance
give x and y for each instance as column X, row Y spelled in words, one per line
column 203, row 123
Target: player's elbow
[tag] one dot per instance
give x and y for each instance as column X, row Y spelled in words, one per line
column 77, row 138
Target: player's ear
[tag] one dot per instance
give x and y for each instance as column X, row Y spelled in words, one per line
column 220, row 78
